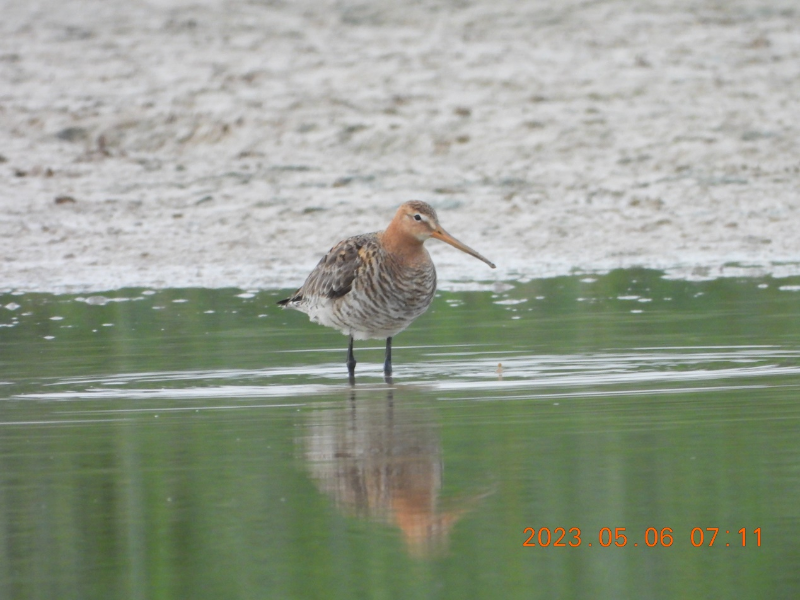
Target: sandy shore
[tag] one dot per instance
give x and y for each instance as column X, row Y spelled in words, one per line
column 212, row 143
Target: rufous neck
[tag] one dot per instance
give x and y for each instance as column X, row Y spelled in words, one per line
column 402, row 244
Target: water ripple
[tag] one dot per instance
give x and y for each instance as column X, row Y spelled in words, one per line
column 644, row 370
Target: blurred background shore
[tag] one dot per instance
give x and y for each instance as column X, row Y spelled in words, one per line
column 230, row 144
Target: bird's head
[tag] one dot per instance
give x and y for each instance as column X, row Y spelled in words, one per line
column 418, row 220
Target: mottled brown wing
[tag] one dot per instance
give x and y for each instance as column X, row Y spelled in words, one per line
column 334, row 274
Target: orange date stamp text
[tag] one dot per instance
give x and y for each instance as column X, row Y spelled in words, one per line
column 561, row 537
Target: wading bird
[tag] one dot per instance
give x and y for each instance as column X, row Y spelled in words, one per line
column 374, row 285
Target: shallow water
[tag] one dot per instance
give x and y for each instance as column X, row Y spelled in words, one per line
column 191, row 443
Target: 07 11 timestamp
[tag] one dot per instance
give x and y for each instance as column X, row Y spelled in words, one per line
column 560, row 537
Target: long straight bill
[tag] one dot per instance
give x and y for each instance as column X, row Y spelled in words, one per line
column 441, row 234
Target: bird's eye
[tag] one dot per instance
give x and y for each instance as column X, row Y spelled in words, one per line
column 417, row 218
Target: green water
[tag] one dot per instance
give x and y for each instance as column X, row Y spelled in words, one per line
column 204, row 444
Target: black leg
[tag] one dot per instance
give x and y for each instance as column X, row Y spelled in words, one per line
column 351, row 361
column 387, row 363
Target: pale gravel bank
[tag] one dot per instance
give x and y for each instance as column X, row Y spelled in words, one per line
column 218, row 144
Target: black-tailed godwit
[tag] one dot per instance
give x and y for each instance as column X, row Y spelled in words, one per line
column 374, row 285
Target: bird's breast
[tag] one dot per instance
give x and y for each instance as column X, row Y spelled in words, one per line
column 387, row 296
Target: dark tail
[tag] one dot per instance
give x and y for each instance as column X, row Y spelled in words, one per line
column 287, row 301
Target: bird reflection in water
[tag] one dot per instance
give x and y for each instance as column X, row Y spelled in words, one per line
column 382, row 461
